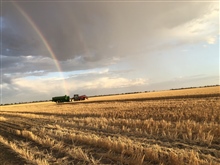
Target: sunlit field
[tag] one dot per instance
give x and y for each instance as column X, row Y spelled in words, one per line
column 175, row 127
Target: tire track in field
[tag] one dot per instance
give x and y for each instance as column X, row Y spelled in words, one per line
column 95, row 152
column 203, row 150
column 143, row 141
column 116, row 128
column 9, row 157
column 40, row 151
column 10, row 131
column 161, row 141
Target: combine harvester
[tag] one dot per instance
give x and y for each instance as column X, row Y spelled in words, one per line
column 62, row 99
column 76, row 97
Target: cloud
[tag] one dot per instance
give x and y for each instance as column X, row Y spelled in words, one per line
column 211, row 40
column 92, row 32
column 44, row 89
column 6, row 79
column 107, row 82
column 37, row 85
column 23, row 66
column 103, row 79
column 26, row 65
column 203, row 28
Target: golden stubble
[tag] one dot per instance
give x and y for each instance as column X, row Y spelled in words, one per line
column 164, row 131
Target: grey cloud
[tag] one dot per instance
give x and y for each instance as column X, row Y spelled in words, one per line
column 71, row 29
column 16, row 94
column 6, row 79
column 21, row 66
column 17, row 36
column 88, row 30
column 9, row 61
column 88, row 35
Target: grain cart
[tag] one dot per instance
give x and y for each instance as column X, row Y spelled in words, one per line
column 61, row 99
column 76, row 97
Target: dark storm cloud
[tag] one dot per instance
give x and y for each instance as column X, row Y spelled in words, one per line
column 17, row 36
column 71, row 29
column 86, row 35
column 91, row 31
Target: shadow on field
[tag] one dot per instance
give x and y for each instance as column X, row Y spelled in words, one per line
column 15, row 114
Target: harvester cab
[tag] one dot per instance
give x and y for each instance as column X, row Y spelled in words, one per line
column 76, row 97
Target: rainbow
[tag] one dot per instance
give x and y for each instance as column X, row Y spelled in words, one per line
column 45, row 42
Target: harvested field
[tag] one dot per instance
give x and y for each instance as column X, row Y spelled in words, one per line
column 168, row 127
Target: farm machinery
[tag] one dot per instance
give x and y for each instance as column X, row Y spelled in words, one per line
column 61, row 99
column 76, row 97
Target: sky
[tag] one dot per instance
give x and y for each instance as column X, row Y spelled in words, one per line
column 94, row 47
